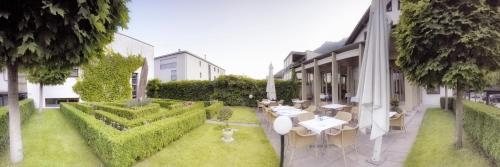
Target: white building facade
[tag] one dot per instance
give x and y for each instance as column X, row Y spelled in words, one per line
column 347, row 55
column 184, row 65
column 123, row 44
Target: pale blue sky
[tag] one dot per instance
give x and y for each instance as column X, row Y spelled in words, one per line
column 242, row 36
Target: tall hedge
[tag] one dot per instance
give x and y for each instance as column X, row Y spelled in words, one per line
column 26, row 107
column 231, row 89
column 482, row 123
column 108, row 78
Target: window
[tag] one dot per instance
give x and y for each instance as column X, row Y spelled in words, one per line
column 399, row 4
column 54, row 102
column 434, row 90
column 389, row 6
column 134, row 84
column 167, row 59
column 173, row 75
column 214, row 69
column 168, row 65
column 365, row 34
column 74, row 73
column 200, row 63
column 200, row 74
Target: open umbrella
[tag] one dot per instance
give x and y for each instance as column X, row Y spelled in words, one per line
column 373, row 90
column 270, row 89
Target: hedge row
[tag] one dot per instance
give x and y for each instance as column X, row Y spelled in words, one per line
column 233, row 90
column 121, row 123
column 123, row 148
column 482, row 123
column 213, row 109
column 26, row 107
column 129, row 113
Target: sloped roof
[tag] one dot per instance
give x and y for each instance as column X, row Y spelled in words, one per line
column 329, row 46
column 361, row 24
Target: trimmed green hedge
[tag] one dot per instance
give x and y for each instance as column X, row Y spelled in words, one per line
column 213, row 109
column 121, row 123
column 129, row 113
column 232, row 90
column 26, row 107
column 482, row 124
column 123, row 148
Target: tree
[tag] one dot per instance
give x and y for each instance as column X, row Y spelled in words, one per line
column 449, row 42
column 52, row 33
column 108, row 78
column 47, row 76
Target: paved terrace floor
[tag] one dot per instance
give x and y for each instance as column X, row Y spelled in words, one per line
column 395, row 148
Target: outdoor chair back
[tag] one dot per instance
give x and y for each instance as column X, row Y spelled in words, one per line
column 305, row 116
column 398, row 120
column 343, row 138
column 345, row 116
column 311, row 108
column 297, row 106
column 273, row 103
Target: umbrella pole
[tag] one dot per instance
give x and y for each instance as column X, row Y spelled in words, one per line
column 377, row 148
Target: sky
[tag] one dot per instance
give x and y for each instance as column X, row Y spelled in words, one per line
column 242, row 36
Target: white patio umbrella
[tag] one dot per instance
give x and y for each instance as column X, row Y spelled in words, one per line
column 270, row 89
column 373, row 90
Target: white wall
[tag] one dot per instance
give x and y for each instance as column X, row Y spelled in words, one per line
column 122, row 44
column 433, row 99
column 188, row 67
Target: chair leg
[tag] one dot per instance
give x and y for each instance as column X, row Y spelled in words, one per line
column 290, row 158
column 343, row 154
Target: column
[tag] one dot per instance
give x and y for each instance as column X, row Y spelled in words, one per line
column 316, row 83
column 304, row 82
column 335, row 79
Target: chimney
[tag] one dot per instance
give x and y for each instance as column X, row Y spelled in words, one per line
column 178, row 50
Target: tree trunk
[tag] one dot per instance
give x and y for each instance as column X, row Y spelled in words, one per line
column 459, row 113
column 446, row 98
column 16, row 143
column 40, row 99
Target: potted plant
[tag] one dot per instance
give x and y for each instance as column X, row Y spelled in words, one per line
column 395, row 105
column 224, row 116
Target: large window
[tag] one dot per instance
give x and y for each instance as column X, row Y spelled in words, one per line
column 434, row 90
column 54, row 102
column 168, row 65
column 134, row 84
column 389, row 6
column 173, row 75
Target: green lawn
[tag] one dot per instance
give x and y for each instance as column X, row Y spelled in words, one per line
column 50, row 140
column 434, row 146
column 203, row 147
column 244, row 115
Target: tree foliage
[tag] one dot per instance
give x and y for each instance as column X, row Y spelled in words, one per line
column 49, row 76
column 449, row 41
column 108, row 78
column 52, row 33
column 57, row 32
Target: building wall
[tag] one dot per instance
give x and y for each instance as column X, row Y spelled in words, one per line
column 197, row 69
column 433, row 99
column 169, row 72
column 122, row 44
column 188, row 67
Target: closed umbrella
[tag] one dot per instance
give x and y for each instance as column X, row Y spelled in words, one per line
column 373, row 90
column 270, row 89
